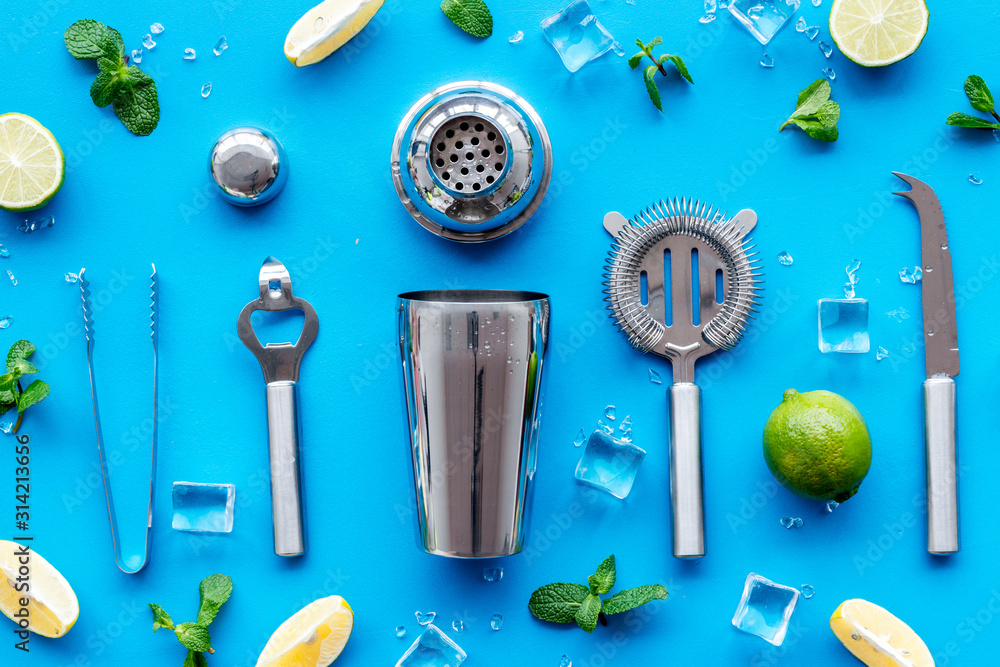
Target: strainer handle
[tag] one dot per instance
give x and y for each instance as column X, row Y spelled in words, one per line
column 687, row 506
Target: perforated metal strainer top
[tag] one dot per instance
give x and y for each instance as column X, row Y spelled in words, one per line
column 471, row 161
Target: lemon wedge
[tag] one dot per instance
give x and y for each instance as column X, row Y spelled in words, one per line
column 51, row 603
column 874, row 33
column 313, row 637
column 327, row 27
column 32, row 165
column 877, row 638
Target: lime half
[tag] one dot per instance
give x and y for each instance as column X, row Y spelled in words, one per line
column 875, row 33
column 32, row 166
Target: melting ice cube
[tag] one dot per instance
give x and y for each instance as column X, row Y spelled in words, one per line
column 577, row 35
column 189, row 54
column 6, row 321
column 881, row 353
column 432, row 648
column 156, row 28
column 807, row 591
column 516, row 37
column 220, row 46
column 35, row 225
column 765, row 608
column 496, row 621
column 137, row 56
column 493, row 573
column 763, row 18
column 785, row 259
column 609, row 464
column 204, row 508
column 425, row 618
column 148, row 42
column 843, row 325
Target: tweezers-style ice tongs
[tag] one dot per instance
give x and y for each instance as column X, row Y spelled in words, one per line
column 130, row 563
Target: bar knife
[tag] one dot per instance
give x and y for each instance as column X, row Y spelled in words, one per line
column 941, row 356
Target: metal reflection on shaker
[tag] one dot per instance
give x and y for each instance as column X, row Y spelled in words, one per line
column 472, row 364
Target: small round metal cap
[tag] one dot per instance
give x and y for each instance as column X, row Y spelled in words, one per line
column 249, row 165
column 471, row 161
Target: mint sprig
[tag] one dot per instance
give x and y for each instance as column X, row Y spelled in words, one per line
column 12, row 395
column 129, row 90
column 649, row 74
column 472, row 16
column 815, row 113
column 213, row 591
column 566, row 603
column 982, row 100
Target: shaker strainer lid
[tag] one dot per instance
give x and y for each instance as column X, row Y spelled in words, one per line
column 471, row 161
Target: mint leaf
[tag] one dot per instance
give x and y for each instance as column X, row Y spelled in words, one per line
column 959, row 119
column 654, row 92
column 557, row 603
column 472, row 16
column 679, row 64
column 634, row 61
column 194, row 636
column 587, row 614
column 810, row 100
column 195, row 659
column 88, row 39
column 136, row 102
column 631, row 598
column 214, row 592
column 161, row 619
column 656, row 42
column 34, row 393
column 816, row 114
column 817, row 130
column 104, row 88
column 17, row 354
column 603, row 580
column 979, row 93
column 829, row 113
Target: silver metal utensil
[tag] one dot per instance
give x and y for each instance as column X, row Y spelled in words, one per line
column 941, row 355
column 249, row 165
column 686, row 250
column 280, row 363
column 127, row 563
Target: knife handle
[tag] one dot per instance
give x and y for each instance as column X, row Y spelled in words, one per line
column 942, row 478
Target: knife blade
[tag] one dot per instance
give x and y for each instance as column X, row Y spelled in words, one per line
column 940, row 333
column 941, row 355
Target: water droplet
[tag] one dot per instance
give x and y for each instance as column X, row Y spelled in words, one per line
column 975, row 180
column 944, row 246
column 206, row 90
column 6, row 321
column 807, row 591
column 318, row 24
column 13, row 280
column 565, row 661
column 35, row 225
column 189, row 53
column 831, row 505
column 496, row 621
column 609, row 412
column 930, row 332
column 137, row 56
column 654, row 377
column 829, row 73
column 148, row 42
column 766, row 61
column 4, row 252
column 72, row 277
column 800, row 25
column 425, row 619
column 826, row 49
column 492, row 574
column 220, row 46
column 400, row 631
column 515, row 39
column 928, row 268
column 156, row 28
column 486, row 345
column 881, row 353
column 785, row 259
column 458, row 626
column 581, row 438
column 855, row 636
column 812, row 32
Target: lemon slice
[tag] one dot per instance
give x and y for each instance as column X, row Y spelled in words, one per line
column 877, row 638
column 313, row 637
column 31, row 163
column 327, row 27
column 874, row 33
column 51, row 603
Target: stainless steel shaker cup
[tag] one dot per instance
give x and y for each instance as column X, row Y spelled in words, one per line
column 472, row 369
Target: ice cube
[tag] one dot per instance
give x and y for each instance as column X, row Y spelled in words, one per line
column 791, row 522
column 617, row 48
column 852, row 278
column 206, row 90
column 220, row 46
column 654, row 377
column 609, row 412
column 577, row 35
column 581, row 438
column 817, row 3
column 432, row 648
column 831, row 505
column 784, row 258
column 812, row 32
column 826, row 49
column 763, row 18
column 765, row 608
column 881, row 353
column 766, row 61
column 711, row 6
column 609, row 464
column 137, row 56
column 708, row 17
column 425, row 618
column 843, row 325
column 605, row 427
column 496, row 621
column 626, row 424
column 458, row 626
column 516, row 37
column 6, row 321
column 13, row 280
column 35, row 225
column 400, row 631
column 829, row 73
column 148, row 42
column 189, row 54
column 800, row 25
column 71, row 277
column 975, row 180
column 4, row 252
column 807, row 591
column 493, row 574
column 565, row 661
column 203, row 508
column 156, row 28
column 7, row 427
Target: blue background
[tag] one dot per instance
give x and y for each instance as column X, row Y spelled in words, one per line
column 351, row 248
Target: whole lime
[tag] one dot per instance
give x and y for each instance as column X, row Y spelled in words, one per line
column 817, row 445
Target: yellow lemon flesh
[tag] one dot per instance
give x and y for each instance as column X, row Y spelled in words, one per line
column 32, row 165
column 313, row 637
column 327, row 27
column 51, row 603
column 874, row 33
column 877, row 638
